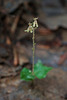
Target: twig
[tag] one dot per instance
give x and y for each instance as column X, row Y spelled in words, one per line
column 16, row 56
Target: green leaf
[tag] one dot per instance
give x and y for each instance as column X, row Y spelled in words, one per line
column 40, row 71
column 26, row 75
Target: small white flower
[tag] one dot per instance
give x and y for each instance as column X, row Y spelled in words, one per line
column 35, row 23
column 30, row 28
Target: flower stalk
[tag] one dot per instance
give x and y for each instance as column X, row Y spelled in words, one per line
column 31, row 28
column 33, row 51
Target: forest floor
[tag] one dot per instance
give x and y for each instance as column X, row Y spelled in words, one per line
column 53, row 87
column 16, row 49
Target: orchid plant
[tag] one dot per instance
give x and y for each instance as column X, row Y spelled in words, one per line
column 38, row 70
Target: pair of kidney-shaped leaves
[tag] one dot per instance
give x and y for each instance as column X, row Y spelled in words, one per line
column 40, row 71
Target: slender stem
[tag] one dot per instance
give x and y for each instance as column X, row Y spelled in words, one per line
column 33, row 51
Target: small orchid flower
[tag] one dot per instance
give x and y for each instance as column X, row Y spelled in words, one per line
column 30, row 28
column 35, row 23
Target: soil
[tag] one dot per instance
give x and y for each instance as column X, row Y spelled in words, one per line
column 53, row 87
